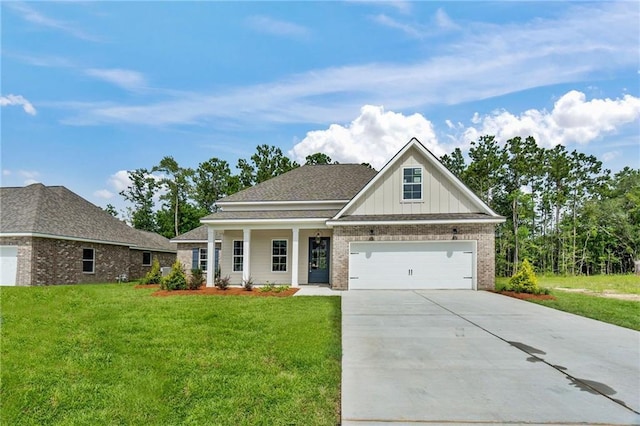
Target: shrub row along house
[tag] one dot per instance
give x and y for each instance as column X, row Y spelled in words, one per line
column 50, row 235
column 413, row 225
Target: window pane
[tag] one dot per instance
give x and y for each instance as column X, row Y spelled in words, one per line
column 146, row 258
column 87, row 254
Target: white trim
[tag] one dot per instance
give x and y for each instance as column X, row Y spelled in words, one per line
column 286, row 263
column 272, row 220
column 276, row 203
column 403, row 183
column 210, row 249
column 193, row 241
column 295, row 246
column 82, row 240
column 332, row 223
column 433, row 161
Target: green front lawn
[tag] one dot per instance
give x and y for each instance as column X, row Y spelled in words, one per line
column 112, row 354
column 625, row 313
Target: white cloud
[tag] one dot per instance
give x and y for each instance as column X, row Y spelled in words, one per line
column 30, row 14
column 104, row 194
column 6, row 172
column 373, row 137
column 120, row 180
column 278, row 27
column 389, row 22
column 18, row 100
column 611, row 155
column 572, row 120
column 126, row 79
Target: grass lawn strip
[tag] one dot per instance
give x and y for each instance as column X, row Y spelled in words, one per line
column 106, row 354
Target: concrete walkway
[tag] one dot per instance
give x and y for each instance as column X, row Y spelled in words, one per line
column 317, row 290
column 466, row 357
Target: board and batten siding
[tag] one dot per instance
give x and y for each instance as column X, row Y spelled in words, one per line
column 260, row 256
column 439, row 194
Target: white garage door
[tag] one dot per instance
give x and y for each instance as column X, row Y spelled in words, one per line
column 8, row 265
column 412, row 265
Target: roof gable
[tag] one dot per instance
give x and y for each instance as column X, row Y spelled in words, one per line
column 442, row 192
column 324, row 182
column 56, row 211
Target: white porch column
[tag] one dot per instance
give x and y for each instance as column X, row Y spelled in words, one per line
column 294, row 256
column 246, row 250
column 211, row 255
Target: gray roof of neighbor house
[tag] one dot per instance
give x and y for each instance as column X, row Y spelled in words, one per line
column 309, row 183
column 197, row 234
column 58, row 212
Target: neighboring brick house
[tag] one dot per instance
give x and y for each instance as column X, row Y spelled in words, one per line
column 50, row 235
column 413, row 225
column 192, row 250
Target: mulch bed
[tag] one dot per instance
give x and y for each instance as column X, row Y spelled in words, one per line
column 526, row 296
column 214, row 291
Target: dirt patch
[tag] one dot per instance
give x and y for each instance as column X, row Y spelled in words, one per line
column 526, row 296
column 607, row 293
column 214, row 291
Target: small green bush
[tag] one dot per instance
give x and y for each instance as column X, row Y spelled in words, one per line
column 222, row 282
column 281, row 288
column 154, row 276
column 524, row 281
column 176, row 280
column 268, row 287
column 196, row 280
column 248, row 284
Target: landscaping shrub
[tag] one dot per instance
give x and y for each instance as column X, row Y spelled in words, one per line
column 268, row 287
column 524, row 281
column 196, row 280
column 281, row 288
column 154, row 276
column 176, row 279
column 248, row 284
column 222, row 282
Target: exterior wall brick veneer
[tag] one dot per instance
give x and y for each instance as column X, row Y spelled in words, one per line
column 24, row 270
column 137, row 270
column 482, row 233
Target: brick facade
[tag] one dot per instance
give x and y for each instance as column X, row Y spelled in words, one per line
column 482, row 233
column 47, row 261
column 137, row 270
column 185, row 255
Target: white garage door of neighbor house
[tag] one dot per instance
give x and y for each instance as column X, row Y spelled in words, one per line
column 411, row 265
column 8, row 265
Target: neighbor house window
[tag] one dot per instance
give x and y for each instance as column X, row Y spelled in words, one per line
column 238, row 255
column 199, row 259
column 146, row 258
column 278, row 256
column 88, row 261
column 412, row 183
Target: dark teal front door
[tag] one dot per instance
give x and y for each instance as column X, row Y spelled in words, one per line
column 319, row 260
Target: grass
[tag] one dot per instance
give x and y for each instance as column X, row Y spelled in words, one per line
column 112, row 354
column 624, row 313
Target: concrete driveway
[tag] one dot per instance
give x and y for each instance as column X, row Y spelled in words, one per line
column 467, row 357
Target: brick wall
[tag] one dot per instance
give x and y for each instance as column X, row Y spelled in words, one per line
column 60, row 262
column 24, row 266
column 137, row 270
column 482, row 233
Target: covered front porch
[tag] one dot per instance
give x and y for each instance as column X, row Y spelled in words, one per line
column 294, row 255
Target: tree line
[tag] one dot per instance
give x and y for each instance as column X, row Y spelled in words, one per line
column 564, row 212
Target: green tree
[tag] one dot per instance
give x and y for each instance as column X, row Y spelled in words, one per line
column 455, row 163
column 318, row 158
column 140, row 193
column 486, row 167
column 212, row 181
column 111, row 210
column 177, row 183
column 266, row 163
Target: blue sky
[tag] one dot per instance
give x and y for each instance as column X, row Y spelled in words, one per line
column 91, row 90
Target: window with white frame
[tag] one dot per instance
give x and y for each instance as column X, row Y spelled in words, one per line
column 412, row 183
column 238, row 255
column 146, row 258
column 88, row 261
column 278, row 255
column 199, row 259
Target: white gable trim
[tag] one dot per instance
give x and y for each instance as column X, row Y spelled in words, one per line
column 432, row 160
column 332, row 223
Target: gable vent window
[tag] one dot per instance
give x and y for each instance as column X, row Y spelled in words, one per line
column 412, row 183
column 88, row 260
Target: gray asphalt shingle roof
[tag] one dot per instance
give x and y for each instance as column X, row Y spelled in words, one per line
column 57, row 211
column 272, row 214
column 309, row 183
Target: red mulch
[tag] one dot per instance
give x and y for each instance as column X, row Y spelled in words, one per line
column 214, row 291
column 526, row 296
